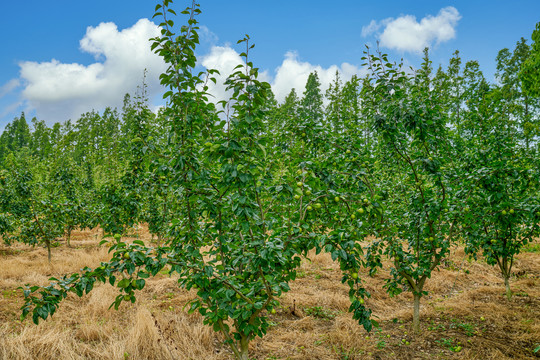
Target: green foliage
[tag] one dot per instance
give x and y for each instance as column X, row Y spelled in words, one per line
column 240, row 191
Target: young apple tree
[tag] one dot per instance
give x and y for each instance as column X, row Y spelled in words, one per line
column 413, row 148
column 236, row 236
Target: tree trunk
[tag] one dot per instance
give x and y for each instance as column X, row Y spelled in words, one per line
column 416, row 313
column 48, row 244
column 69, row 237
column 507, row 286
column 244, row 345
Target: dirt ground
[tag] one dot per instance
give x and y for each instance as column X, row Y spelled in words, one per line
column 465, row 316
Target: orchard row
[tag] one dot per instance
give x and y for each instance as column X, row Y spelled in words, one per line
column 410, row 162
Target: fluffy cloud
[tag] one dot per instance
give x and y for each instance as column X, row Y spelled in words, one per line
column 58, row 91
column 407, row 34
column 292, row 73
column 224, row 59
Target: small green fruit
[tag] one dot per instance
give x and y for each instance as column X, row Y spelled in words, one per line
column 354, row 275
column 309, row 208
column 353, row 216
column 431, row 238
column 360, row 211
column 348, row 151
column 127, row 297
column 296, row 197
column 503, row 212
column 273, row 311
column 366, row 201
column 336, row 199
column 308, row 192
column 126, row 255
column 318, row 205
column 299, row 184
column 511, row 211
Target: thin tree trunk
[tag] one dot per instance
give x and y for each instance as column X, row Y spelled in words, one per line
column 48, row 244
column 507, row 286
column 244, row 345
column 416, row 313
column 69, row 237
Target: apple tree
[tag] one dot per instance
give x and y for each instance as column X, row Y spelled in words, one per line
column 236, row 236
column 413, row 164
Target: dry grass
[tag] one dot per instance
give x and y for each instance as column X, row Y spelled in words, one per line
column 465, row 308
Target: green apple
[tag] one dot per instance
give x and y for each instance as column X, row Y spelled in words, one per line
column 317, row 205
column 309, row 208
column 296, row 197
column 299, row 184
column 273, row 311
column 503, row 212
column 336, row 199
column 308, row 192
column 431, row 238
column 348, row 151
column 366, row 201
column 126, row 255
column 511, row 211
column 354, row 275
column 360, row 211
column 353, row 216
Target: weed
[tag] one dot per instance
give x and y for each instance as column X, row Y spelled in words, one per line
column 320, row 312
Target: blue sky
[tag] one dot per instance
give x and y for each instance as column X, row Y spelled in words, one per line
column 63, row 57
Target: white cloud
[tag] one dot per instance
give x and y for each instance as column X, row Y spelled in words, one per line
column 407, row 34
column 373, row 27
column 292, row 73
column 59, row 91
column 9, row 87
column 224, row 59
column 207, row 36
